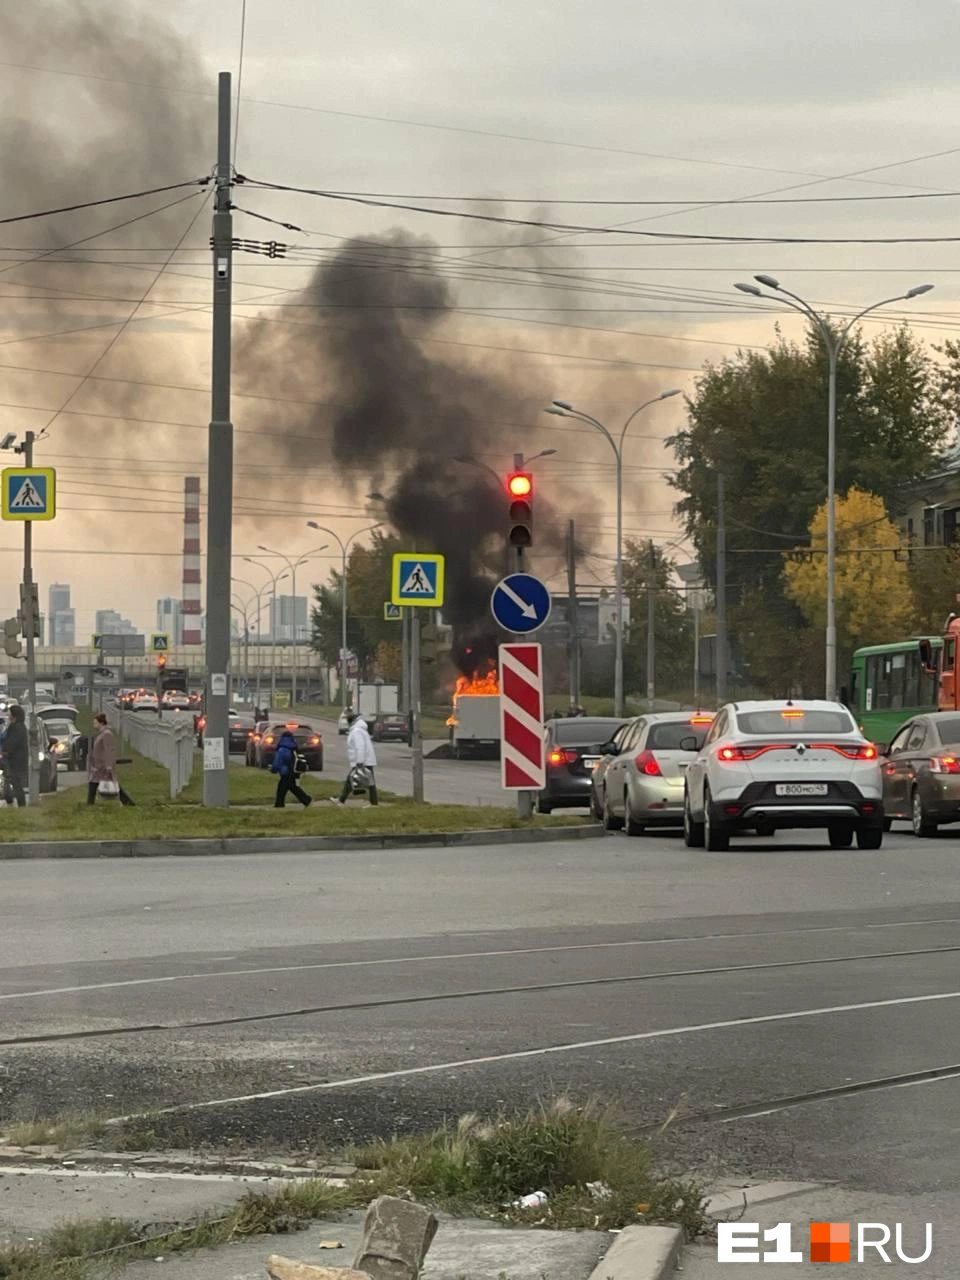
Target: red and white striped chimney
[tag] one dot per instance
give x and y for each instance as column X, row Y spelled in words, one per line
column 190, row 609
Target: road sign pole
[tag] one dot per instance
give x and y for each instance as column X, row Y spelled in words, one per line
column 416, row 742
column 33, row 736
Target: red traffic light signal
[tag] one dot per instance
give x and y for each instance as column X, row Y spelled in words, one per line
column 520, row 489
column 520, row 484
column 161, row 661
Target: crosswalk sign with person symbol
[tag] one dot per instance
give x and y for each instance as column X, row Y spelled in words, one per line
column 29, row 493
column 417, row 579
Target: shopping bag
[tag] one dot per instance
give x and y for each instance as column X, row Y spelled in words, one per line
column 109, row 788
column 361, row 777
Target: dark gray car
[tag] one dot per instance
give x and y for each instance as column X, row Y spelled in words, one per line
column 573, row 748
column 921, row 772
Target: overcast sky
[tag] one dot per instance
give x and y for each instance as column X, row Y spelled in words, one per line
column 690, row 103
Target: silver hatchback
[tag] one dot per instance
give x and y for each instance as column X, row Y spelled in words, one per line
column 643, row 785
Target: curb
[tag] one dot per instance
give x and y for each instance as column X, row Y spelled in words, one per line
column 234, row 845
column 642, row 1253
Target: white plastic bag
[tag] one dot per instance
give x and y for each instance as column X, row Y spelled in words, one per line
column 109, row 788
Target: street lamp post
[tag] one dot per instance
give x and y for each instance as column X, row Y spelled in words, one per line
column 241, row 608
column 344, row 548
column 293, row 566
column 274, row 579
column 258, row 594
column 834, row 342
column 563, row 409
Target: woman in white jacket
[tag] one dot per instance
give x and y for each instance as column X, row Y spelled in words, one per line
column 361, row 756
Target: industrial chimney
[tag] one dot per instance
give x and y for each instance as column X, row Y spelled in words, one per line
column 190, row 601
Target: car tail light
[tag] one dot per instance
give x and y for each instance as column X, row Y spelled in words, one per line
column 731, row 754
column 315, row 740
column 646, row 762
column 268, row 740
column 945, row 764
column 861, row 751
column 559, row 756
column 701, row 719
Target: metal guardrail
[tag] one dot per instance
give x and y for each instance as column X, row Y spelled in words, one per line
column 169, row 741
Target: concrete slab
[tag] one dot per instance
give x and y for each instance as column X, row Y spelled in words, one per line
column 463, row 1250
column 32, row 1202
column 642, row 1253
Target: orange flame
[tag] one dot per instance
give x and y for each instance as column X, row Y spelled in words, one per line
column 475, row 686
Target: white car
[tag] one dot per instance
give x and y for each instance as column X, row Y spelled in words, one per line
column 774, row 765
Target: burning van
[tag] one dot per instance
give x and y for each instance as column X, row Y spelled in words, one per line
column 475, row 722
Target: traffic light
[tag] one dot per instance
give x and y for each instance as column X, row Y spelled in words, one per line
column 11, row 641
column 161, row 662
column 520, row 489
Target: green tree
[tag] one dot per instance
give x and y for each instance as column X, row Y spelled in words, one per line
column 673, row 622
column 368, row 587
column 760, row 418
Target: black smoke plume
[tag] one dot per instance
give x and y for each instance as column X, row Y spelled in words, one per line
column 401, row 399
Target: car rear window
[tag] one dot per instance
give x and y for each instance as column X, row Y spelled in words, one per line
column 772, row 723
column 580, row 732
column 949, row 730
column 59, row 728
column 668, row 737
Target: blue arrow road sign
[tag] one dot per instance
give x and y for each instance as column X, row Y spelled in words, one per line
column 520, row 603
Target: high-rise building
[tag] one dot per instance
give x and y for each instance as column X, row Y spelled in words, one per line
column 62, row 619
column 288, row 618
column 111, row 623
column 169, row 618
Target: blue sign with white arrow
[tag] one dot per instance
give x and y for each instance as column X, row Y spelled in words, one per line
column 520, row 603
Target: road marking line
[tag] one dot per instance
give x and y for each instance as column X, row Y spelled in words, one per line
column 469, row 955
column 435, row 1068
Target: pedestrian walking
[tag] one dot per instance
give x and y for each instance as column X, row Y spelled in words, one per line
column 285, row 765
column 15, row 746
column 102, row 764
column 362, row 760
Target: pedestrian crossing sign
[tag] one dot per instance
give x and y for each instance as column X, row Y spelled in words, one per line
column 160, row 642
column 391, row 612
column 417, row 580
column 29, row 493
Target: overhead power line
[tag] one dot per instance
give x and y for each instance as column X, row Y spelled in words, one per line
column 93, row 204
column 551, row 200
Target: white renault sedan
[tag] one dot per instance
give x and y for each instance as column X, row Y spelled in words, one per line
column 774, row 765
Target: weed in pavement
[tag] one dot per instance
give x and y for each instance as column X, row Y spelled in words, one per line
column 64, row 1132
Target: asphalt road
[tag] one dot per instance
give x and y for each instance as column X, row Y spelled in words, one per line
column 344, row 995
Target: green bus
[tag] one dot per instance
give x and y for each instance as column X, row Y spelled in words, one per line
column 888, row 685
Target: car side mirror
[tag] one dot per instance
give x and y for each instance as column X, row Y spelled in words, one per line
column 690, row 744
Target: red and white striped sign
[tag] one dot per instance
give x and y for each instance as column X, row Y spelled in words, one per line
column 521, row 717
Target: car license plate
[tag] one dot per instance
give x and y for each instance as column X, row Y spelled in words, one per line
column 802, row 789
column 591, row 762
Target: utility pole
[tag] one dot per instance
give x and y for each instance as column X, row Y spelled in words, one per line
column 216, row 786
column 652, row 628
column 722, row 662
column 573, row 617
column 416, row 741
column 29, row 627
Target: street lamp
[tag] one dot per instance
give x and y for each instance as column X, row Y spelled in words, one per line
column 834, row 341
column 344, row 548
column 519, row 462
column 258, row 592
column 563, row 409
column 242, row 608
column 274, row 578
column 293, row 566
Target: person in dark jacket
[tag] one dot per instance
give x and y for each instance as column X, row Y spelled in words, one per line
column 15, row 746
column 285, row 765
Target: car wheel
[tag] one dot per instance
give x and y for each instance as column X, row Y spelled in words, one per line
column 544, row 805
column 922, row 826
column 716, row 835
column 595, row 808
column 631, row 825
column 887, row 824
column 841, row 835
column 870, row 838
column 766, row 830
column 610, row 820
column 692, row 830
column 319, row 768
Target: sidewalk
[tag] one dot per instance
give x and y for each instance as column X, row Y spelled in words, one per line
column 836, row 1204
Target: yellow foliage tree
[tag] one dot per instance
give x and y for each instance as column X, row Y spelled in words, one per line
column 874, row 600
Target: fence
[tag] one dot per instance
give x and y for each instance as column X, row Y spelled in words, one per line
column 169, row 741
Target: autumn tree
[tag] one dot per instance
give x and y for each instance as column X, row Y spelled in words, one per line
column 874, row 603
column 760, row 418
column 368, row 586
column 673, row 622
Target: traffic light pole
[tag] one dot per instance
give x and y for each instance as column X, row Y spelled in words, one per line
column 29, row 627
